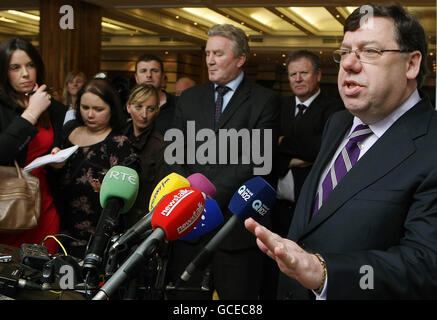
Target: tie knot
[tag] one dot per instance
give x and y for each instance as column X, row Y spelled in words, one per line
column 301, row 107
column 361, row 132
column 222, row 90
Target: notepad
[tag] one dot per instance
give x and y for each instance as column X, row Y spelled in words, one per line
column 60, row 156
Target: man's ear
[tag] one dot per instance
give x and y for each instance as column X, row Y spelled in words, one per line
column 319, row 75
column 413, row 64
column 242, row 60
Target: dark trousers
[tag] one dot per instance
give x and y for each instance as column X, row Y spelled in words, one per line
column 235, row 275
column 281, row 214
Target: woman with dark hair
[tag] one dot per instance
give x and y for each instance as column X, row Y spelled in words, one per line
column 97, row 132
column 30, row 125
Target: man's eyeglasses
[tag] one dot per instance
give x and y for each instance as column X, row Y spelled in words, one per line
column 363, row 54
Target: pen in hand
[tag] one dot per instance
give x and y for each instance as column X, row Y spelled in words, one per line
column 28, row 94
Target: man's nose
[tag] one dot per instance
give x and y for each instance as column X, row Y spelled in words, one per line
column 351, row 62
column 210, row 60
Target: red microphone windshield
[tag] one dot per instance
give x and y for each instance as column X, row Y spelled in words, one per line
column 178, row 212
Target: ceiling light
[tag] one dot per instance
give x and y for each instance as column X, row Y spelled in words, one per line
column 111, row 26
column 7, row 20
column 206, row 14
column 24, row 14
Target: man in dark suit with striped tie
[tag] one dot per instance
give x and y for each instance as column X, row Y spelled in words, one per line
column 365, row 225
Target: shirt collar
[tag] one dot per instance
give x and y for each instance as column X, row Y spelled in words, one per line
column 308, row 102
column 233, row 84
column 380, row 127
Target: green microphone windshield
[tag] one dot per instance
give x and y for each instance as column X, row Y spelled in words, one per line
column 120, row 182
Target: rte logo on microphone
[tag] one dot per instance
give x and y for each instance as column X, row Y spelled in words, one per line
column 123, row 176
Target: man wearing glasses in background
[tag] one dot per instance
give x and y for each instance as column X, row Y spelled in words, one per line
column 365, row 224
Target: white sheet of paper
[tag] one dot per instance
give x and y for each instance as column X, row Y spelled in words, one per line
column 60, row 156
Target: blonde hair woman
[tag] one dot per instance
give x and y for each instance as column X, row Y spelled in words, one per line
column 143, row 107
column 74, row 81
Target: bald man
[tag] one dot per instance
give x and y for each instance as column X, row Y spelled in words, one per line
column 182, row 84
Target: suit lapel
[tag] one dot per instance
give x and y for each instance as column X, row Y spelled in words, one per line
column 332, row 139
column 387, row 153
column 292, row 110
column 208, row 107
column 240, row 96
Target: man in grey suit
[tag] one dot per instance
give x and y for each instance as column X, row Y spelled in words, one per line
column 365, row 226
column 244, row 107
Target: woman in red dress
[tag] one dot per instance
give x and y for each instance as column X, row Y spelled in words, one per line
column 30, row 126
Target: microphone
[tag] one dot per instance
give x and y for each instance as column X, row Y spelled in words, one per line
column 212, row 217
column 202, row 183
column 254, row 199
column 174, row 217
column 117, row 195
column 168, row 184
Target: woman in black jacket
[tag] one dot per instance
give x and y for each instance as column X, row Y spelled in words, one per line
column 143, row 107
column 30, row 126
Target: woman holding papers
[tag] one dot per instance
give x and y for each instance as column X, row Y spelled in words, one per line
column 30, row 125
column 97, row 131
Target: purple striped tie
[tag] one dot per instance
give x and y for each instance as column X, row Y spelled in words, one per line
column 221, row 91
column 347, row 158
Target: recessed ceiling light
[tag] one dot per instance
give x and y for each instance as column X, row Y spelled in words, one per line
column 24, row 14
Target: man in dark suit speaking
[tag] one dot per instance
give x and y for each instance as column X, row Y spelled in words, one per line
column 365, row 225
column 232, row 104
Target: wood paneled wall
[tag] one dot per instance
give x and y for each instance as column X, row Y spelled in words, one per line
column 64, row 50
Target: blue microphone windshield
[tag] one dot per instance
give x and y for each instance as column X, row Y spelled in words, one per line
column 212, row 217
column 253, row 199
